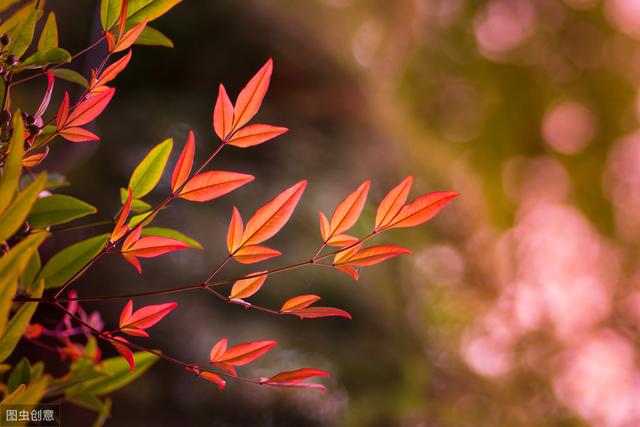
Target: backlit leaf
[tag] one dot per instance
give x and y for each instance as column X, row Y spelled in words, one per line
column 242, row 354
column 348, row 211
column 372, row 255
column 22, row 34
column 185, row 163
column 13, row 217
column 148, row 172
column 252, row 135
column 12, row 166
column 172, row 234
column 251, row 96
column 89, row 109
column 299, row 302
column 223, row 114
column 215, row 378
column 17, row 324
column 392, row 203
column 244, row 288
column 253, row 253
column 234, row 233
column 213, row 184
column 129, row 37
column 124, row 351
column 422, row 209
column 152, row 37
column 78, row 134
column 53, row 55
column 143, row 318
column 112, row 71
column 295, row 378
column 271, row 217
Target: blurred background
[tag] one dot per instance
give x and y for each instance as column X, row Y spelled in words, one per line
column 521, row 303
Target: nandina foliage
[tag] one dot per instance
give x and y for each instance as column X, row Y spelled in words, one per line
column 31, row 212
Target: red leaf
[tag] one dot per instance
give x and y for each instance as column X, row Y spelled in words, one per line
column 129, row 37
column 122, row 18
column 252, row 135
column 47, row 96
column 318, row 312
column 153, row 246
column 392, row 203
column 124, row 351
column 120, row 229
column 422, row 209
column 33, row 330
column 372, row 255
column 234, row 234
column 251, row 96
column 342, row 240
column 349, row 210
column 112, row 71
column 254, row 253
column 143, row 318
column 223, row 114
column 210, row 185
column 77, row 134
column 215, row 378
column 271, row 217
column 63, row 111
column 244, row 288
column 89, row 109
column 297, row 375
column 110, row 40
column 242, row 354
column 185, row 163
column 299, row 302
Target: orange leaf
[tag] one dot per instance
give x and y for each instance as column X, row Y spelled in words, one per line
column 122, row 18
column 223, row 114
column 153, row 246
column 78, row 134
column 392, row 203
column 242, row 354
column 35, row 159
column 271, row 217
column 252, row 135
column 185, row 163
column 347, row 269
column 324, row 227
column 299, row 302
column 89, row 109
column 129, row 37
column 372, row 255
column 210, row 185
column 251, row 96
column 346, row 253
column 112, row 71
column 422, row 209
column 215, row 378
column 120, row 229
column 124, row 351
column 244, row 288
column 342, row 240
column 63, row 111
column 143, row 318
column 349, row 210
column 254, row 253
column 234, row 234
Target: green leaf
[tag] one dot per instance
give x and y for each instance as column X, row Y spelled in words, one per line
column 118, row 374
column 173, row 234
column 88, row 401
column 109, row 12
column 19, row 16
column 8, row 287
column 29, row 395
column 70, row 76
column 49, row 36
column 58, row 209
column 37, row 370
column 21, row 374
column 17, row 324
column 137, row 205
column 66, row 263
column 22, row 34
column 13, row 164
column 104, row 414
column 31, row 271
column 137, row 219
column 13, row 217
column 152, row 37
column 54, row 55
column 16, row 259
column 148, row 172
